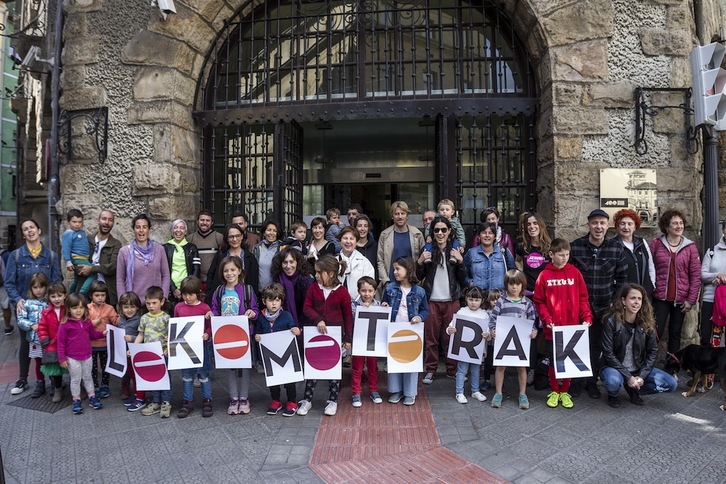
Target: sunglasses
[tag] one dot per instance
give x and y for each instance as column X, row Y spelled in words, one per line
column 438, row 230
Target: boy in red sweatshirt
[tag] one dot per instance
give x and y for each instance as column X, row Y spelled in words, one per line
column 561, row 299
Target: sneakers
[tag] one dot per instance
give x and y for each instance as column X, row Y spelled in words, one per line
column 274, row 407
column 331, row 408
column 151, row 409
column 461, row 398
column 207, row 408
column 233, row 408
column 94, row 402
column 635, row 397
column 614, row 401
column 592, row 390
column 136, row 405
column 304, row 407
column 103, row 392
column 185, row 409
column 523, row 401
column 479, row 396
column 376, row 397
column 165, row 410
column 395, row 397
column 566, row 400
column 497, row 400
column 428, row 379
column 356, row 401
column 290, row 409
column 553, row 399
column 19, row 387
column 39, row 389
column 77, row 407
column 9, row 330
column 409, row 401
column 244, row 406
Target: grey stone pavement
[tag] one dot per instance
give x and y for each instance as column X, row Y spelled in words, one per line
column 671, row 439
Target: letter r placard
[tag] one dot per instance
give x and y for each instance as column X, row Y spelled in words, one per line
column 571, row 350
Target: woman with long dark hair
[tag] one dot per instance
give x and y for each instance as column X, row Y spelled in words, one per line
column 290, row 269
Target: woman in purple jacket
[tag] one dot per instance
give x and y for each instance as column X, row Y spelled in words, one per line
column 677, row 276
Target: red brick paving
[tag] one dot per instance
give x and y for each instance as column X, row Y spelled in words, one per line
column 380, row 443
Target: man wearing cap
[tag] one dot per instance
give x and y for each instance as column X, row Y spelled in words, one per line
column 604, row 267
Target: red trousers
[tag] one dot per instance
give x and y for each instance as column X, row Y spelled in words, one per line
column 371, row 363
column 440, row 315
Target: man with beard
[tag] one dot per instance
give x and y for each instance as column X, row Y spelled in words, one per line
column 249, row 239
column 104, row 252
column 208, row 242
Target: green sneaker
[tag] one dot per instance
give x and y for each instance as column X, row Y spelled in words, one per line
column 566, row 400
column 523, row 401
column 497, row 400
column 553, row 399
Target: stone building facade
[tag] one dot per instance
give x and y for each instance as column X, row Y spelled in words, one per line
column 587, row 59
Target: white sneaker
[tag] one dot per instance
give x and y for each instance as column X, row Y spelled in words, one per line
column 331, row 408
column 428, row 379
column 304, row 407
column 461, row 398
column 479, row 396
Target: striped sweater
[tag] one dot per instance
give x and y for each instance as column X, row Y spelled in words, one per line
column 505, row 306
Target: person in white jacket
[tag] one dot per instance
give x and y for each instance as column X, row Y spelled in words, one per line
column 713, row 273
column 358, row 265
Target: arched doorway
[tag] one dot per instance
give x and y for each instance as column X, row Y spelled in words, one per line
column 306, row 105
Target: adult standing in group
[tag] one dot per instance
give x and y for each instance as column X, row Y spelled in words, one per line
column 290, row 269
column 490, row 215
column 532, row 251
column 487, row 263
column 250, row 240
column 641, row 270
column 104, row 248
column 318, row 245
column 233, row 245
column 357, row 265
column 183, row 258
column 677, row 276
column 602, row 263
column 142, row 263
column 28, row 259
column 426, row 219
column 713, row 274
column 264, row 252
column 366, row 242
column 208, row 242
column 398, row 240
column 444, row 276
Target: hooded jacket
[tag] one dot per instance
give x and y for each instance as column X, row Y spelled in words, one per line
column 561, row 298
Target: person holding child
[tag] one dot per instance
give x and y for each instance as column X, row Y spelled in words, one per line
column 101, row 315
column 48, row 335
column 273, row 318
column 366, row 298
column 74, row 350
column 28, row 318
column 514, row 304
column 561, row 298
column 474, row 298
column 408, row 305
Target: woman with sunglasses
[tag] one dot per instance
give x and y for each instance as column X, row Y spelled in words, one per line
column 232, row 245
column 444, row 280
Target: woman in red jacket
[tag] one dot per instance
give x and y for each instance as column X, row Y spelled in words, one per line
column 327, row 304
column 677, row 276
column 48, row 335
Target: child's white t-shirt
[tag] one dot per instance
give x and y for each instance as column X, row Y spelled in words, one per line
column 465, row 311
column 402, row 315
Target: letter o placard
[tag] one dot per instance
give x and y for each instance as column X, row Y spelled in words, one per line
column 405, row 346
column 323, row 352
column 231, row 342
column 149, row 366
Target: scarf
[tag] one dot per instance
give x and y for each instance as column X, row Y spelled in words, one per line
column 272, row 317
column 289, row 284
column 145, row 254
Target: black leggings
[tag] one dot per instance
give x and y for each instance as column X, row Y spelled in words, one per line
column 290, row 388
column 99, row 357
column 669, row 312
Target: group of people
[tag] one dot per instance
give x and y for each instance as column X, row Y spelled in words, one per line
column 284, row 282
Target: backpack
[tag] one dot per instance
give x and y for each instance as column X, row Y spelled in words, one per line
column 719, row 306
column 247, row 294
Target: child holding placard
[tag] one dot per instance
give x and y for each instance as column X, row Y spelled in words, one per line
column 474, row 297
column 271, row 320
column 562, row 299
column 327, row 304
column 408, row 304
column 234, row 298
column 191, row 292
column 129, row 310
column 366, row 298
column 101, row 314
column 513, row 304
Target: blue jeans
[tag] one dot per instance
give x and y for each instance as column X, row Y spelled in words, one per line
column 188, row 375
column 657, row 382
column 403, row 382
column 462, row 368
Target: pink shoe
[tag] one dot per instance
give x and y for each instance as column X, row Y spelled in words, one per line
column 233, row 408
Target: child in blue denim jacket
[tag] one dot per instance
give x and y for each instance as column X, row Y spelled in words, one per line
column 28, row 319
column 408, row 303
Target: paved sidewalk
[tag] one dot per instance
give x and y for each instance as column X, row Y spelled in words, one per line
column 671, row 439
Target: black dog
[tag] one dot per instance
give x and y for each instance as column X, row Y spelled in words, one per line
column 702, row 361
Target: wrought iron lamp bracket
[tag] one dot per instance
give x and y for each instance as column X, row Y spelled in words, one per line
column 643, row 109
column 95, row 123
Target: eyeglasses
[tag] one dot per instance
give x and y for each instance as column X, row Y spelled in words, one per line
column 438, row 230
column 233, row 237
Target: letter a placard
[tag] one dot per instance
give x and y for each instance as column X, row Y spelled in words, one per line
column 571, row 347
column 370, row 330
column 511, row 346
column 186, row 346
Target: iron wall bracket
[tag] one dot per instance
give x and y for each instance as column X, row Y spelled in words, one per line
column 95, row 123
column 643, row 109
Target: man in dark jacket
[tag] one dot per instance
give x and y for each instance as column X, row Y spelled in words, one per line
column 104, row 250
